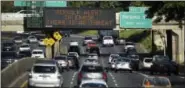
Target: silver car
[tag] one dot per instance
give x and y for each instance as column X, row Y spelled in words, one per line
column 91, row 71
column 45, row 73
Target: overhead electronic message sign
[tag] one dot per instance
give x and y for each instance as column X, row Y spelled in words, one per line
column 66, row 17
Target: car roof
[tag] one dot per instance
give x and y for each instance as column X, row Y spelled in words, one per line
column 73, row 43
column 101, row 81
column 91, row 64
column 45, row 63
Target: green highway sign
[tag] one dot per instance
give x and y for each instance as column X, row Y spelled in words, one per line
column 135, row 18
column 55, row 3
column 138, row 9
column 40, row 3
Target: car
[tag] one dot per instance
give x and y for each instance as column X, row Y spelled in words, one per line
column 87, row 39
column 113, row 63
column 108, row 41
column 8, row 58
column 123, row 63
column 93, row 83
column 73, row 54
column 74, row 47
column 45, row 73
column 163, row 64
column 8, row 46
column 26, row 53
column 93, row 55
column 25, row 47
column 41, row 42
column 73, row 62
column 91, row 61
column 90, row 45
column 32, row 39
column 113, row 56
column 91, row 71
column 129, row 45
column 17, row 40
column 62, row 61
column 120, row 41
column 134, row 60
column 38, row 53
column 94, row 50
column 145, row 64
column 156, row 82
column 131, row 51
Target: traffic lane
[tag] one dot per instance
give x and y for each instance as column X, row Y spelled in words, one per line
column 69, row 78
column 126, row 79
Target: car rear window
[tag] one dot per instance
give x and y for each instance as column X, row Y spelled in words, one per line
column 92, row 69
column 25, row 46
column 60, row 58
column 108, row 37
column 148, row 60
column 44, row 69
column 93, row 85
column 8, row 44
column 37, row 52
column 88, row 38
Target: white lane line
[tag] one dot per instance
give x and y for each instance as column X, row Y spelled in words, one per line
column 73, row 77
column 113, row 78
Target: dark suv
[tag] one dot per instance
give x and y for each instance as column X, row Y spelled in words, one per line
column 163, row 64
column 8, row 46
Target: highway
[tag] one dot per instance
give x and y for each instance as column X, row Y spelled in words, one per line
column 119, row 79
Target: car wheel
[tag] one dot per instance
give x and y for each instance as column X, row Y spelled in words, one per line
column 130, row 71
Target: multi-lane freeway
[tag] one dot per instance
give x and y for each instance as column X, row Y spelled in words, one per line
column 119, row 79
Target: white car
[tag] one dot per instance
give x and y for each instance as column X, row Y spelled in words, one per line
column 62, row 61
column 17, row 40
column 37, row 53
column 32, row 39
column 113, row 56
column 123, row 64
column 146, row 63
column 73, row 54
column 91, row 61
column 73, row 44
column 129, row 45
column 108, row 41
column 93, row 55
column 41, row 42
column 95, row 83
column 45, row 73
column 86, row 40
column 24, row 47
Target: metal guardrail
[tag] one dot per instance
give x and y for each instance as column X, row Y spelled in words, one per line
column 14, row 70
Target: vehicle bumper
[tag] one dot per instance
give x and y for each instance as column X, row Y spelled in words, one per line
column 110, row 44
column 51, row 84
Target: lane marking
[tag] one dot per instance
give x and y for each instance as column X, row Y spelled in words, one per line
column 73, row 77
column 145, row 75
column 113, row 78
column 24, row 84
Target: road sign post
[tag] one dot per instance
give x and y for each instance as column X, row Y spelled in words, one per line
column 58, row 37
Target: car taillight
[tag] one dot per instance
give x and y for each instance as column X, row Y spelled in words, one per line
column 79, row 75
column 104, row 75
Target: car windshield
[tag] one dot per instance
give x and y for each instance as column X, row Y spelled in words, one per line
column 17, row 38
column 32, row 37
column 60, row 58
column 93, row 85
column 129, row 43
column 8, row 44
column 88, row 38
column 44, row 69
column 134, row 56
column 107, row 37
column 92, row 69
column 37, row 52
column 114, row 56
column 148, row 60
column 71, row 54
column 90, row 60
column 124, row 60
column 25, row 46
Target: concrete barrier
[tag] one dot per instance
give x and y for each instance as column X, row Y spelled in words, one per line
column 10, row 73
